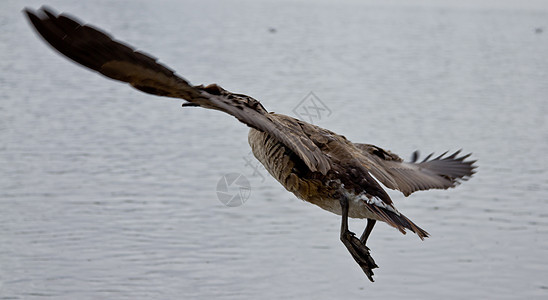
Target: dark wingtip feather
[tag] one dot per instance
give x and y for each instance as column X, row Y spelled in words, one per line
column 28, row 11
column 49, row 12
column 31, row 15
column 454, row 167
column 441, row 155
column 428, row 157
column 415, row 156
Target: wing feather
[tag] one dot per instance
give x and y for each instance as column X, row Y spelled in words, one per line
column 99, row 51
column 441, row 172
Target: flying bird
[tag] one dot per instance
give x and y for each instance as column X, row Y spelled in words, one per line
column 315, row 164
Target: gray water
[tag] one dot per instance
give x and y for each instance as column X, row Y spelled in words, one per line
column 108, row 193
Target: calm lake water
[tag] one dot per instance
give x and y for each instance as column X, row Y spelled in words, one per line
column 108, row 193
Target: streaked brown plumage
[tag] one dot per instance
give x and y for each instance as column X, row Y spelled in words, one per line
column 315, row 164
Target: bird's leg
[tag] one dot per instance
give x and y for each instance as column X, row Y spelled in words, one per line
column 367, row 231
column 357, row 249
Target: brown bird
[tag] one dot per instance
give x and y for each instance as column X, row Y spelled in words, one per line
column 317, row 165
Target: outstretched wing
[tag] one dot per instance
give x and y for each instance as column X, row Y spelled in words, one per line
column 442, row 172
column 99, row 51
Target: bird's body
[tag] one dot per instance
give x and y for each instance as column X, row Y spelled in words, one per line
column 293, row 175
column 315, row 164
column 314, row 187
column 348, row 175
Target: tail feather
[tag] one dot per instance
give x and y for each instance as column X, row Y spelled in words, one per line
column 398, row 221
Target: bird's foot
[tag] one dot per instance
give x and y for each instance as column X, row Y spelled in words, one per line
column 360, row 253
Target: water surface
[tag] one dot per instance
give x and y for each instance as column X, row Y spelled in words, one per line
column 106, row 192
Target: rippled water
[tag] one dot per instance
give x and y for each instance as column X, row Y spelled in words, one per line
column 109, row 193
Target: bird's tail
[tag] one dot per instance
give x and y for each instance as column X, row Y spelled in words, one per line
column 399, row 221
